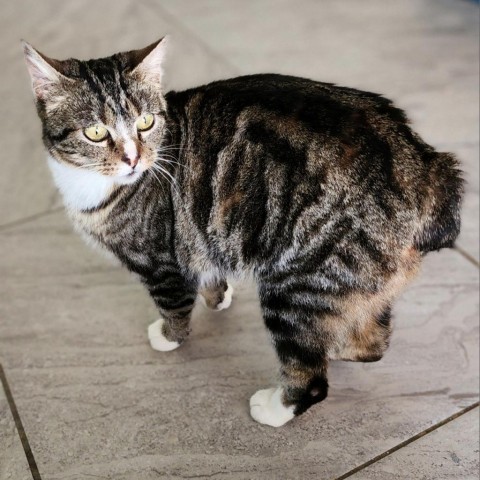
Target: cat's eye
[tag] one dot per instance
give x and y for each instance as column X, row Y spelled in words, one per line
column 145, row 122
column 96, row 133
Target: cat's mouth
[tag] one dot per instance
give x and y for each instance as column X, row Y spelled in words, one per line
column 133, row 175
column 129, row 177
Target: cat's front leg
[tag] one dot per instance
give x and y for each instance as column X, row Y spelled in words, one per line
column 216, row 294
column 174, row 295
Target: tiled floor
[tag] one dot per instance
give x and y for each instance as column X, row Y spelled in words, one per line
column 96, row 402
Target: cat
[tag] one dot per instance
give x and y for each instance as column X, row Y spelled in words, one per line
column 324, row 193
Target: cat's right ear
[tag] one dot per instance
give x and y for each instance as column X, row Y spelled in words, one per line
column 44, row 72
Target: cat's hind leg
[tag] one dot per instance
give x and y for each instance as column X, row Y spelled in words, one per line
column 361, row 328
column 313, row 320
column 291, row 314
column 306, row 336
column 216, row 295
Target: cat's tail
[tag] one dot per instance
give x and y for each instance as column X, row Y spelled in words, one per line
column 440, row 224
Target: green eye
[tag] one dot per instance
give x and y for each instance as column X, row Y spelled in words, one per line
column 96, row 133
column 145, row 122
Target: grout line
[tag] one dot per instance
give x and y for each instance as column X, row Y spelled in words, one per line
column 179, row 25
column 408, row 441
column 18, row 423
column 467, row 256
column 30, row 218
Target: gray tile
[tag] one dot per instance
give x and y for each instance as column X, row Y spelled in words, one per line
column 450, row 452
column 367, row 47
column 65, row 29
column 13, row 463
column 469, row 236
column 468, row 154
column 96, row 400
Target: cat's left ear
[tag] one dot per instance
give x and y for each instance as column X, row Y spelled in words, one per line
column 45, row 72
column 148, row 62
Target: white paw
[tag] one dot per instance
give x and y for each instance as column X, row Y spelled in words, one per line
column 224, row 304
column 227, row 298
column 157, row 339
column 266, row 407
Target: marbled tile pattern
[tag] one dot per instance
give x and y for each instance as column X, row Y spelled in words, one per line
column 448, row 451
column 96, row 401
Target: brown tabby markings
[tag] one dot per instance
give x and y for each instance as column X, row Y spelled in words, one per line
column 323, row 192
column 224, row 209
column 359, row 335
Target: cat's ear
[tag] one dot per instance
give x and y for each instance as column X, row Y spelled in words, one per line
column 45, row 72
column 148, row 62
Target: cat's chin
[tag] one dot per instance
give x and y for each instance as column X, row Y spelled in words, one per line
column 128, row 179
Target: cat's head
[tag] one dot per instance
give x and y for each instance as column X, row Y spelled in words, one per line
column 106, row 115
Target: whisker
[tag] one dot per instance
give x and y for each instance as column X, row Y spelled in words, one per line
column 91, row 165
column 167, row 149
column 173, row 162
column 166, row 155
column 168, row 131
column 158, row 180
column 165, row 178
column 171, row 151
column 164, row 172
column 174, row 182
column 171, row 145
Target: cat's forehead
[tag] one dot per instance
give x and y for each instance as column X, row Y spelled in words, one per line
column 103, row 69
column 109, row 90
column 105, row 77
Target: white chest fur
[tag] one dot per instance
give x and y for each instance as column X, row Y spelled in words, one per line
column 81, row 189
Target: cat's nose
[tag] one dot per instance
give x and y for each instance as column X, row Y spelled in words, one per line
column 132, row 161
column 131, row 153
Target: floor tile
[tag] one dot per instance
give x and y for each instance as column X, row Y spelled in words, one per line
column 448, row 451
column 13, row 463
column 469, row 235
column 79, row 29
column 96, row 400
column 328, row 41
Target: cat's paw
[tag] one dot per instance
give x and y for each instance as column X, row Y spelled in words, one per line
column 209, row 300
column 227, row 298
column 266, row 407
column 157, row 340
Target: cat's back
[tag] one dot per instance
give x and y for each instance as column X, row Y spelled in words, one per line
column 318, row 105
column 338, row 126
column 266, row 150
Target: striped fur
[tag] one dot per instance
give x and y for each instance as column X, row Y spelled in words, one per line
column 324, row 193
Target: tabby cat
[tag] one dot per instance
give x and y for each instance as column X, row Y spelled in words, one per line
column 324, row 193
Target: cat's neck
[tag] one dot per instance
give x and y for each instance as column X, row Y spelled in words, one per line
column 80, row 189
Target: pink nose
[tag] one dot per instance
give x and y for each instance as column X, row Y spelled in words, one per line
column 134, row 161
column 131, row 161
